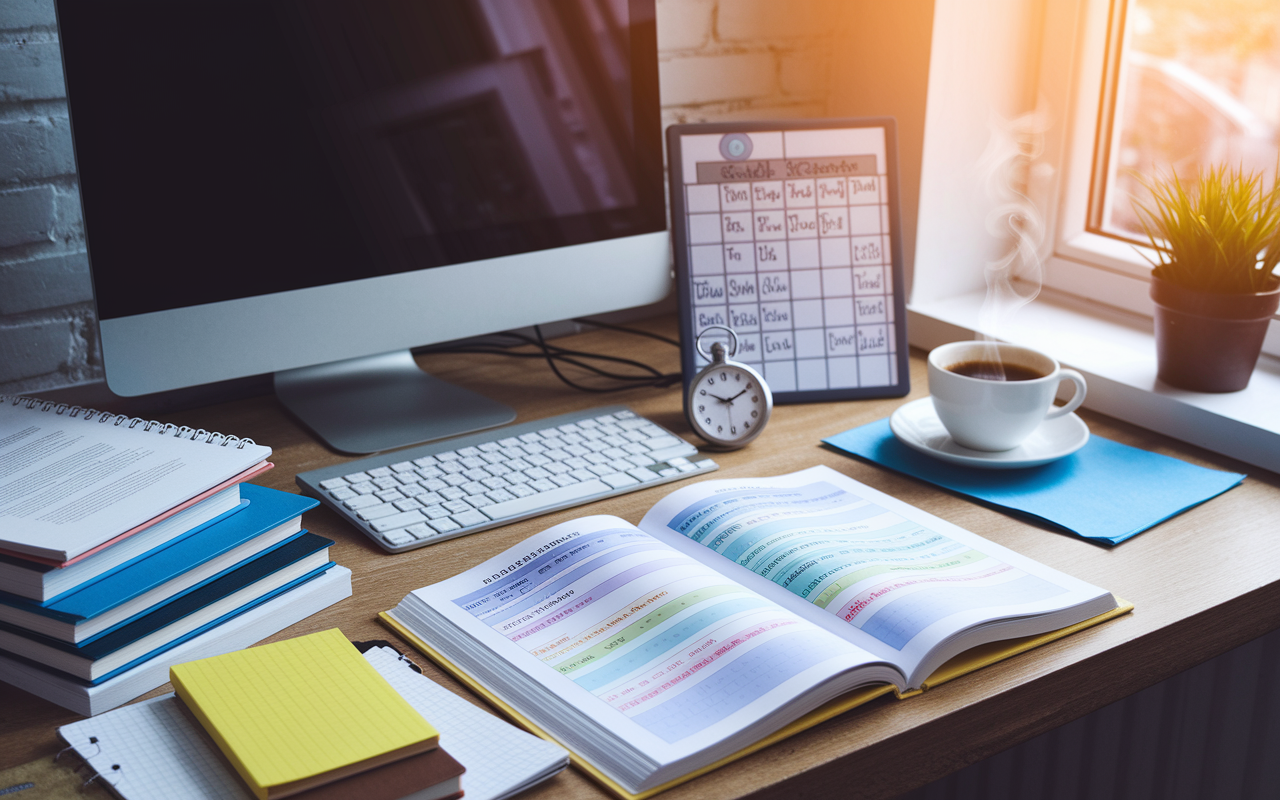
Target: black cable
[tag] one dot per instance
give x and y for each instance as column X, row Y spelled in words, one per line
column 626, row 329
column 555, row 355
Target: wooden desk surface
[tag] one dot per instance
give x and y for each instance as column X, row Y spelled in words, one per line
column 1204, row 582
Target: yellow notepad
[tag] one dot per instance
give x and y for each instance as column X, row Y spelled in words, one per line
column 296, row 714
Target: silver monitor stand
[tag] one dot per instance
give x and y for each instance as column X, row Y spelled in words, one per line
column 367, row 405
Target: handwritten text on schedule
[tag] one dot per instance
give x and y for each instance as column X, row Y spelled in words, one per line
column 793, row 254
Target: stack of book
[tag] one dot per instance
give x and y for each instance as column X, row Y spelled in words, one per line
column 128, row 546
column 158, row 750
column 311, row 718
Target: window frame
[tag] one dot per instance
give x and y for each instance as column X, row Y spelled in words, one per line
column 1082, row 85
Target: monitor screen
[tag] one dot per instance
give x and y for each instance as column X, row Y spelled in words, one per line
column 424, row 169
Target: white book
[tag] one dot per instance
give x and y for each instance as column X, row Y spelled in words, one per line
column 733, row 609
column 72, row 479
column 235, row 634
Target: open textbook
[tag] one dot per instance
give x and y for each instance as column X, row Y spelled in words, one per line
column 734, row 609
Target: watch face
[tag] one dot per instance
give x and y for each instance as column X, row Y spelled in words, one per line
column 729, row 405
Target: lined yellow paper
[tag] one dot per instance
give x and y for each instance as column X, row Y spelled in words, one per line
column 296, row 709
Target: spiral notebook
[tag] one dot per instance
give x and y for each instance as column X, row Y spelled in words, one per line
column 76, row 480
column 153, row 751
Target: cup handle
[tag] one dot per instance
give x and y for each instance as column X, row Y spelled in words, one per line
column 1076, row 399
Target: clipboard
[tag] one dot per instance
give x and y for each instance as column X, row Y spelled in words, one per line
column 789, row 233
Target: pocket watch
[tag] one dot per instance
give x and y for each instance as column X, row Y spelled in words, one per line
column 727, row 403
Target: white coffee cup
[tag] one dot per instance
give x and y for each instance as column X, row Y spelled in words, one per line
column 989, row 414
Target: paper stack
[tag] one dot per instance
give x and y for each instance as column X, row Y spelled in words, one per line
column 128, row 546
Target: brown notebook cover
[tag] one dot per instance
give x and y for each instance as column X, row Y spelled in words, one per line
column 434, row 768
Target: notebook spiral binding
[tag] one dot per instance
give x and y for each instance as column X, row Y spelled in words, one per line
column 148, row 426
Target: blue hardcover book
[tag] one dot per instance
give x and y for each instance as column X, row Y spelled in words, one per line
column 235, row 591
column 265, row 517
column 42, row 582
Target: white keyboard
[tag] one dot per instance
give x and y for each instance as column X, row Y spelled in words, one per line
column 441, row 490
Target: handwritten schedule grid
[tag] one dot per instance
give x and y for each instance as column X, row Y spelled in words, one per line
column 790, row 247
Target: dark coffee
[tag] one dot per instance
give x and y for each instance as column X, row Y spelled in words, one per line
column 995, row 371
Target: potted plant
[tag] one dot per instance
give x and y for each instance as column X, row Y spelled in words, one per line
column 1213, row 278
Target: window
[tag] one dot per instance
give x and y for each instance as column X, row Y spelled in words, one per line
column 1149, row 88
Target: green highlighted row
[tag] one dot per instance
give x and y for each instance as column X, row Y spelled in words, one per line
column 634, row 630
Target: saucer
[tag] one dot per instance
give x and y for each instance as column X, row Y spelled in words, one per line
column 917, row 426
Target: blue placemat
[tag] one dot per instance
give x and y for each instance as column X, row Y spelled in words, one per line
column 1106, row 491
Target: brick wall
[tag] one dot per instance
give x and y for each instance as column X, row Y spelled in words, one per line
column 719, row 60
column 48, row 337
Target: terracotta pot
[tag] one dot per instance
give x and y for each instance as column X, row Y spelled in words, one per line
column 1209, row 342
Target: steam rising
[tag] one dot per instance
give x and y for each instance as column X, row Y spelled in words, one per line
column 1007, row 169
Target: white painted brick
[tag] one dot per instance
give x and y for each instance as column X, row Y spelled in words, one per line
column 771, row 20
column 35, row 148
column 68, row 215
column 684, row 24
column 803, row 73
column 26, row 216
column 62, row 280
column 35, row 348
column 31, row 71
column 710, row 79
column 20, row 14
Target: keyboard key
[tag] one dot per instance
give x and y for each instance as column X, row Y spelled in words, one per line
column 502, row 495
column 356, row 477
column 377, row 512
column 333, row 483
column 343, row 493
column 444, row 524
column 397, row 538
column 364, row 488
column 419, row 531
column 521, row 490
column 468, row 452
column 661, row 442
column 426, row 461
column 479, row 500
column 619, row 479
column 457, row 506
column 435, row 512
column 401, row 466
column 643, row 475
column 397, row 521
column 564, row 480
column 407, row 504
column 468, row 518
column 542, row 485
column 361, row 501
column 379, row 472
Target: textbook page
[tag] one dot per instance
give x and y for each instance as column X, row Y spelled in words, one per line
column 896, row 580
column 69, row 484
column 643, row 643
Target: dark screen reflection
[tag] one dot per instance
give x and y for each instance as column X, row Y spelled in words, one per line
column 277, row 145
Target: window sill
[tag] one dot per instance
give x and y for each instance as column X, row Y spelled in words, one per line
column 1116, row 353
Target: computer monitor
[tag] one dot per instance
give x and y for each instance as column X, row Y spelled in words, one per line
column 311, row 187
